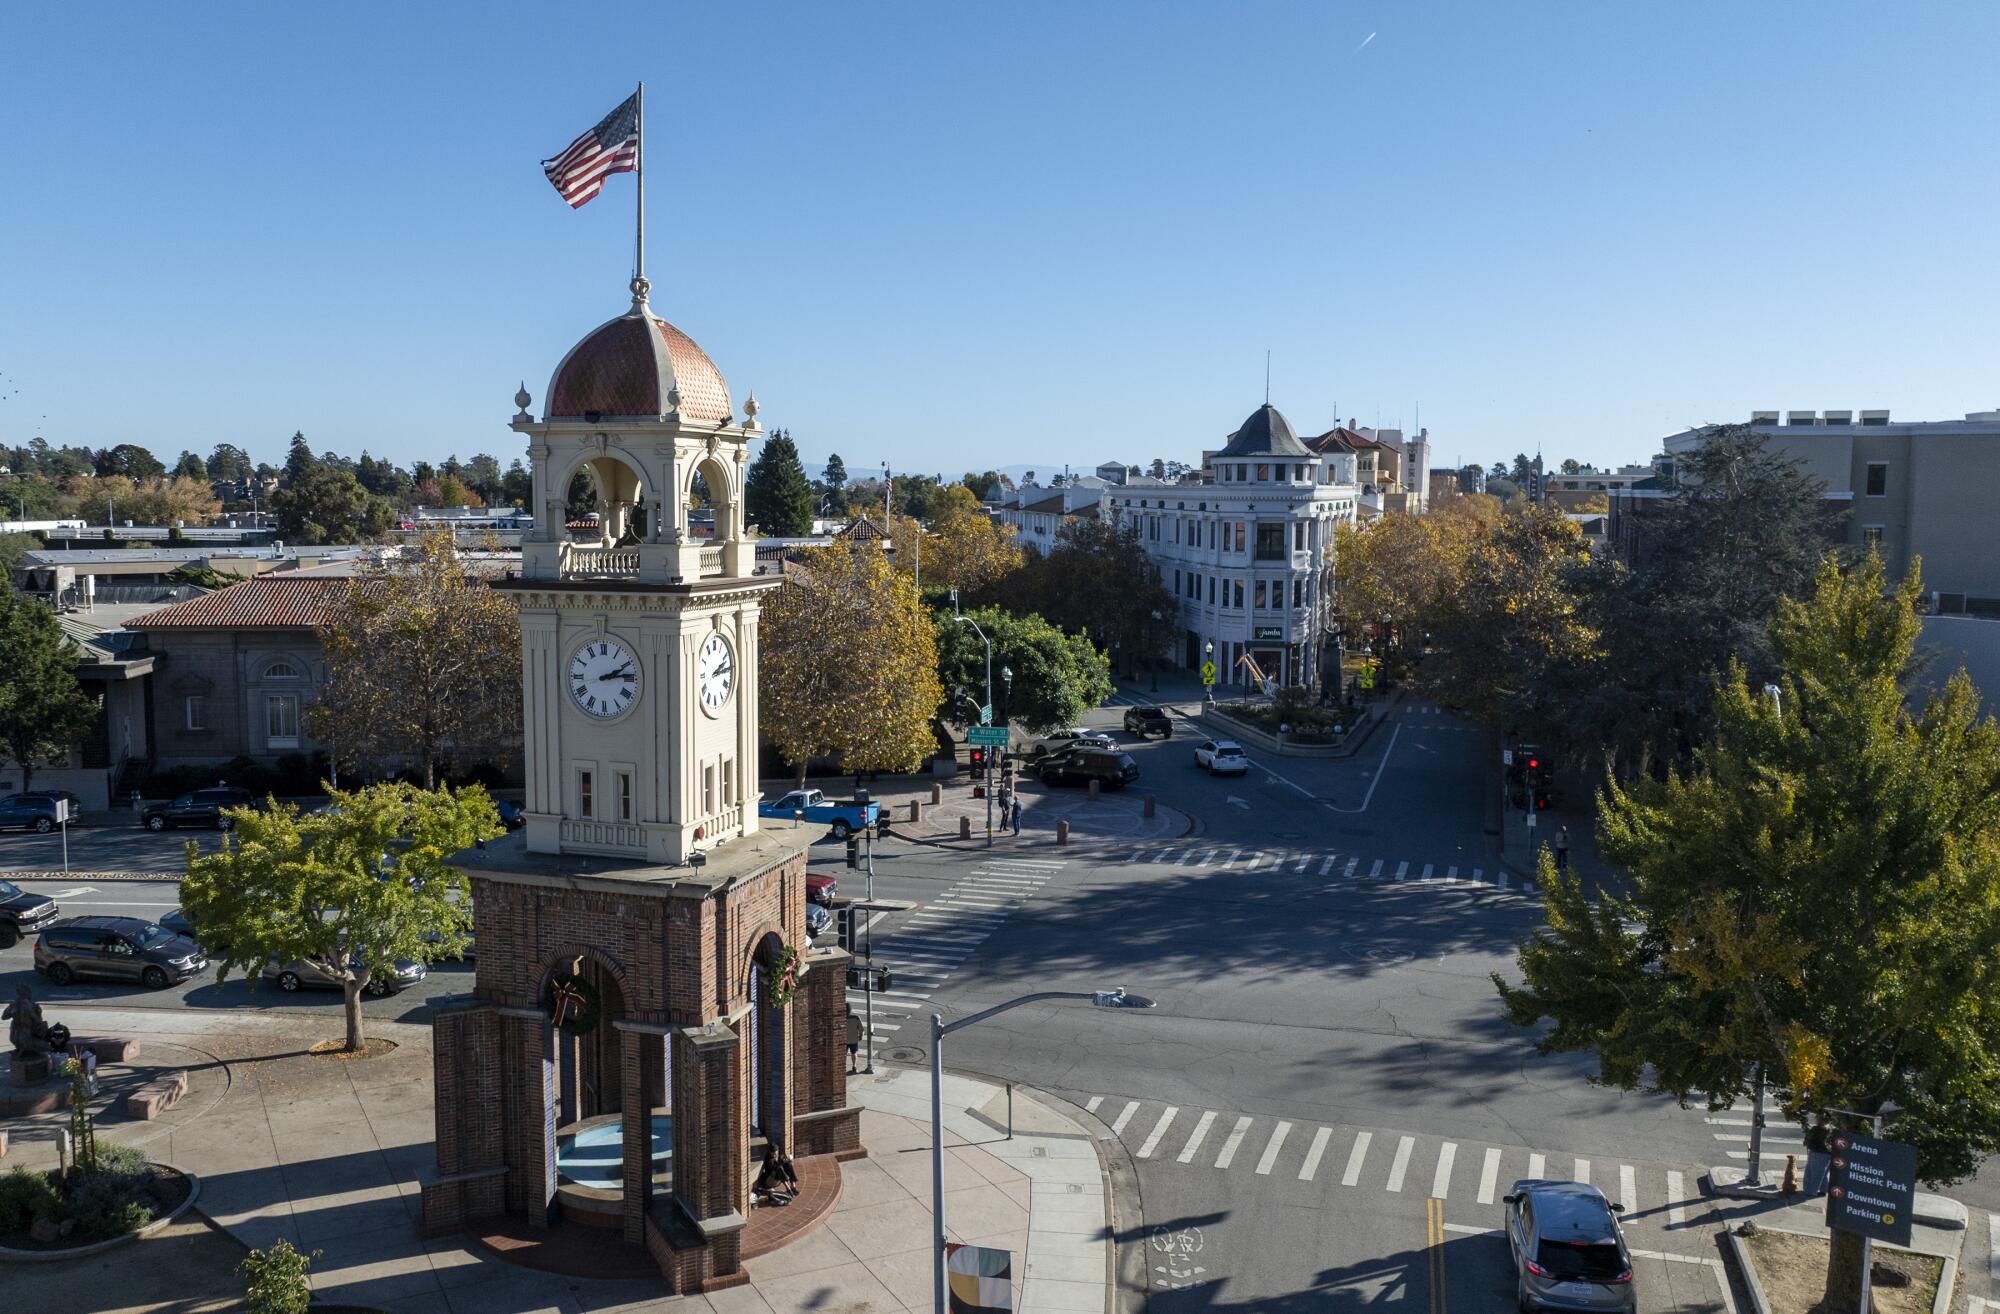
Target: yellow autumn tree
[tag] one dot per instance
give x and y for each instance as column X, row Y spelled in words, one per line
column 964, row 548
column 849, row 663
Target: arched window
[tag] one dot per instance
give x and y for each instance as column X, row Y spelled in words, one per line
column 281, row 670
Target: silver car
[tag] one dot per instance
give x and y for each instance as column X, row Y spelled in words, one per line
column 1569, row 1252
column 308, row 975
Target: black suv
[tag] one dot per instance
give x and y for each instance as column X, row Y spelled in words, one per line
column 121, row 948
column 1110, row 768
column 201, row 807
column 22, row 914
column 1146, row 722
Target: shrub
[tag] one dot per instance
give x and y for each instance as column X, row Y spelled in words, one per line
column 24, row 1197
column 277, row 1279
column 122, row 1159
column 110, row 1204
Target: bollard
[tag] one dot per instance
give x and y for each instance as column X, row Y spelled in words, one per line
column 1149, row 805
column 965, row 827
column 1095, row 789
column 916, row 810
column 1062, row 832
column 937, row 792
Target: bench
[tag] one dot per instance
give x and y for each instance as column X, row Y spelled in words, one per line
column 109, row 1049
column 156, row 1096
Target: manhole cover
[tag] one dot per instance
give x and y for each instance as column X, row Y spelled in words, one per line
column 901, row 1054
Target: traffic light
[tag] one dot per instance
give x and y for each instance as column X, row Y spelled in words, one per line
column 979, row 759
column 853, row 853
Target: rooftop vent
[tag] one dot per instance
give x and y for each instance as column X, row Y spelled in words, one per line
column 1801, row 417
column 1874, row 417
column 1763, row 417
column 1839, row 417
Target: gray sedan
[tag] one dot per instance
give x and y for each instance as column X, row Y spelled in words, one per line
column 308, row 975
column 1569, row 1252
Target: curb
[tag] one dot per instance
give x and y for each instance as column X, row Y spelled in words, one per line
column 1747, row 1271
column 9, row 1255
column 24, row 875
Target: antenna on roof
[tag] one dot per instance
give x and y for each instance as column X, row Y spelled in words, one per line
column 1267, row 376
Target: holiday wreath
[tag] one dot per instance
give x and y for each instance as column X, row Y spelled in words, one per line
column 782, row 981
column 572, row 1002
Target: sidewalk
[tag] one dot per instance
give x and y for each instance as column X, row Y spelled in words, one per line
column 1112, row 817
column 326, row 1153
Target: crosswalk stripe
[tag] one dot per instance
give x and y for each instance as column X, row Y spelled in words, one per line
column 1236, row 1135
column 1348, row 874
column 1232, row 857
column 1161, row 856
column 1206, row 857
column 1479, row 875
column 1201, row 1127
column 1159, row 1129
column 1305, row 860
column 1428, row 869
column 1375, row 870
column 1582, row 1172
column 1768, row 1138
column 1090, row 1105
column 1131, row 1107
column 1401, row 1163
column 1441, row 1179
column 1402, row 870
column 1503, row 879
column 1677, row 1214
column 1628, row 1188
column 1318, row 1147
column 1352, row 1174
column 1134, row 855
column 1537, row 1167
column 1489, row 1173
column 1451, row 873
column 1270, row 1155
column 1326, row 866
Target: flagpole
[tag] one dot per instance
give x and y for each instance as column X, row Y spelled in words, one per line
column 639, row 248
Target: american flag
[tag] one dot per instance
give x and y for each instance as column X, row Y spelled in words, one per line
column 610, row 147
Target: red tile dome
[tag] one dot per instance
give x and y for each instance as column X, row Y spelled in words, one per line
column 630, row 367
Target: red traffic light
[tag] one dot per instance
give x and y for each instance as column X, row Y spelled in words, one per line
column 1533, row 765
column 978, row 757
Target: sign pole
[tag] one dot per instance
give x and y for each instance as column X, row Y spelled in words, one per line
column 868, row 972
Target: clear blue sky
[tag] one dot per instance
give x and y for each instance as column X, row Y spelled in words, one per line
column 967, row 235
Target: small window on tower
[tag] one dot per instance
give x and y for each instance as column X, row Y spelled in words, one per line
column 624, row 779
column 586, row 798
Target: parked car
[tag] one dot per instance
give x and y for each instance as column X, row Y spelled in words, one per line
column 22, row 914
column 819, row 920
column 1221, row 757
column 36, row 812
column 1110, row 768
column 117, row 948
column 1569, row 1252
column 199, row 807
column 844, row 818
column 305, row 974
column 1063, row 740
column 821, row 888
column 1146, row 722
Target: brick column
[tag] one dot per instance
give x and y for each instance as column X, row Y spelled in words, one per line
column 711, row 1143
column 638, row 1135
column 822, row 1119
column 528, row 1112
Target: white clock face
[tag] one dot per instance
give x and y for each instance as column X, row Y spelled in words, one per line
column 603, row 678
column 715, row 672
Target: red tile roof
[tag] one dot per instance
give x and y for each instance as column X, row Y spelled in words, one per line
column 266, row 603
column 617, row 370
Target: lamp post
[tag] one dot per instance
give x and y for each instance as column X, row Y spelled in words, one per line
column 1006, row 718
column 1153, row 659
column 1112, row 998
column 964, row 619
column 1207, row 657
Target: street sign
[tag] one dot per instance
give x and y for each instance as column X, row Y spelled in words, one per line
column 1506, row 757
column 1208, row 672
column 986, row 714
column 987, row 736
column 1872, row 1189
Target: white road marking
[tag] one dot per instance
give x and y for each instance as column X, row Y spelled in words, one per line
column 1538, row 1167
column 1503, row 879
column 1628, row 1188
column 1205, row 857
column 1768, row 1138
column 1326, row 866
column 1428, row 869
column 1402, row 870
column 1161, row 856
column 1375, row 870
column 1354, row 1158
column 1159, row 1130
column 1441, row 1179
column 1394, row 731
column 1236, row 1135
column 1318, row 1147
column 1090, row 1106
column 1451, row 873
column 1479, row 875
column 1231, row 859
column 1582, row 1172
column 1201, row 1127
column 1993, row 1247
column 1305, row 860
column 1131, row 1107
column 1677, row 1214
column 1401, row 1163
column 1489, row 1173
column 1348, row 874
column 1270, row 1155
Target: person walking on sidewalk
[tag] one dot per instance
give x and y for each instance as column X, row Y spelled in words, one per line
column 1562, row 848
column 1819, row 1158
column 1014, row 815
column 853, row 1040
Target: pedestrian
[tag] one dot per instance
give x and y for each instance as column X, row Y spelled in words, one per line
column 1819, row 1158
column 853, row 1040
column 1014, row 814
column 1562, row 848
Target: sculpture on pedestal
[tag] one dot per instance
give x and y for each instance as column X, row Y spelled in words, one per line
column 26, row 1031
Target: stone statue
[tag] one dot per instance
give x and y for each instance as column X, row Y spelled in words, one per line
column 26, row 1030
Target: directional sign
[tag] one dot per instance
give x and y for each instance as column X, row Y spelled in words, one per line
column 986, row 714
column 987, row 736
column 1872, row 1190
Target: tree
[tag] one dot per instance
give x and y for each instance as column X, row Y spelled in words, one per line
column 849, row 664
column 1569, row 466
column 170, row 501
column 965, row 549
column 43, row 711
column 351, row 887
column 1159, row 468
column 836, row 471
column 191, row 466
column 517, row 486
column 13, row 547
column 1816, row 896
column 423, row 665
column 299, row 460
column 133, row 462
column 453, row 492
column 1096, row 579
column 776, row 497
column 230, row 462
column 1057, row 677
column 982, row 485
column 330, row 506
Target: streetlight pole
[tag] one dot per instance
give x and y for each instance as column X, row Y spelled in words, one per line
column 988, row 707
column 1113, row 998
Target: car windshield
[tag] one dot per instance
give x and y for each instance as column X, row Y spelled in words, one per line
column 1231, row 751
column 8, row 889
column 1582, row 1260
column 150, row 934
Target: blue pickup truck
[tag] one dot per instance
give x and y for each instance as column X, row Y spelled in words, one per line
column 845, row 818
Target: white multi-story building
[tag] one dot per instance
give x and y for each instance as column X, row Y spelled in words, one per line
column 1247, row 550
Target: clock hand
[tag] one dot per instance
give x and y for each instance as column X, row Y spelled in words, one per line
column 617, row 675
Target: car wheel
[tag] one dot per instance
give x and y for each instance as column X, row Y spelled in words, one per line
column 156, row 823
column 61, row 974
column 380, row 987
column 841, row 830
column 155, row 978
column 43, row 825
column 288, row 981
column 222, row 822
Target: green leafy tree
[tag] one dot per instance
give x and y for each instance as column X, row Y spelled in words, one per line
column 776, row 497
column 351, row 887
column 836, row 471
column 517, row 486
column 1096, row 579
column 1816, row 896
column 299, row 460
column 191, row 466
column 13, row 547
column 330, row 506
column 1057, row 677
column 228, row 461
column 131, row 461
column 43, row 712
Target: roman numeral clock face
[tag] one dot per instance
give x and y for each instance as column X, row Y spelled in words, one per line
column 714, row 673
column 603, row 678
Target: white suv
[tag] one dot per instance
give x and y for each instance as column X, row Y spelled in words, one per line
column 1221, row 757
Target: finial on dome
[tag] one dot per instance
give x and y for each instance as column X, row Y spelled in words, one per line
column 640, row 287
column 750, row 406
column 521, row 400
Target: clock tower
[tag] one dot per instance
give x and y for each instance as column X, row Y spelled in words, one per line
column 639, row 628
